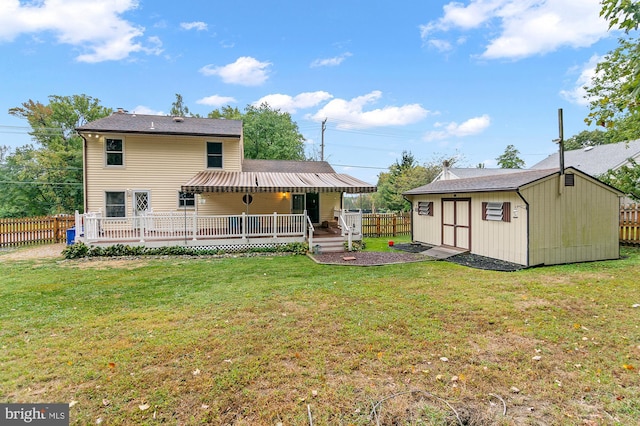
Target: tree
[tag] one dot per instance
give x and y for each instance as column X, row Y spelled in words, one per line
column 404, row 175
column 179, row 109
column 587, row 138
column 46, row 178
column 625, row 179
column 270, row 134
column 509, row 159
column 615, row 89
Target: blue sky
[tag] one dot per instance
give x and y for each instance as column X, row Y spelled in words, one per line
column 435, row 78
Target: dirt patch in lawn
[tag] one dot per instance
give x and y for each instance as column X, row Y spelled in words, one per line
column 47, row 251
column 368, row 258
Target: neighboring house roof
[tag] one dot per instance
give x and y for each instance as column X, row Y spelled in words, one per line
column 502, row 182
column 595, row 160
column 164, row 125
column 220, row 181
column 473, row 172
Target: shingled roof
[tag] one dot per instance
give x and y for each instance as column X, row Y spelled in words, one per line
column 502, row 182
column 121, row 122
column 595, row 160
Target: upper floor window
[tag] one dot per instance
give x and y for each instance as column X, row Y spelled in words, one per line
column 214, row 155
column 114, row 150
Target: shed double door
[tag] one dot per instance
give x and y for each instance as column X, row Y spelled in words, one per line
column 456, row 222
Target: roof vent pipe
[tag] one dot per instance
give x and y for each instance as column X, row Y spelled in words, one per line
column 445, row 170
column 560, row 141
column 178, row 119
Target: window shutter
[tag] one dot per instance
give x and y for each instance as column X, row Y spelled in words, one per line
column 484, row 210
column 506, row 212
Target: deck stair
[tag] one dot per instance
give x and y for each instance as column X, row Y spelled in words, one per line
column 329, row 239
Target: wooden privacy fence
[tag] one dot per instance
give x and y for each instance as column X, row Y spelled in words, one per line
column 35, row 230
column 630, row 224
column 386, row 224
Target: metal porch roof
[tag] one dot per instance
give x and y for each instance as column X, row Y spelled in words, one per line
column 251, row 182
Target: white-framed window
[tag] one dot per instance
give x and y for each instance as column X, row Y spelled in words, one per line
column 115, row 203
column 114, row 152
column 214, row 155
column 496, row 211
column 425, row 208
column 186, row 200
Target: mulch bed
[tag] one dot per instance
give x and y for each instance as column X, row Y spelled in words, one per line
column 404, row 253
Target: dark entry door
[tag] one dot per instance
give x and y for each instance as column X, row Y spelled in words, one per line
column 456, row 223
column 313, row 206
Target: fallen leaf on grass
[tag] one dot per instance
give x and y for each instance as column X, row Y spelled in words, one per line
column 628, row 367
column 196, row 372
column 112, row 365
column 72, row 403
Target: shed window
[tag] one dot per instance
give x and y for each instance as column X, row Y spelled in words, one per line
column 569, row 179
column 214, row 155
column 425, row 208
column 494, row 211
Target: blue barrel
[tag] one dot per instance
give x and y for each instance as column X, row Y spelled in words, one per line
column 71, row 235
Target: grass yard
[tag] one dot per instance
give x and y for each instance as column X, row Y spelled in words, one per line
column 281, row 340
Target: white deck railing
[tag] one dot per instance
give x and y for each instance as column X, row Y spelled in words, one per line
column 175, row 225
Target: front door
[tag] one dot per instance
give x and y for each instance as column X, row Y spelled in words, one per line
column 456, row 222
column 313, row 206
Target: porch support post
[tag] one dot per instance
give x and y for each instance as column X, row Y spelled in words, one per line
column 243, row 226
column 195, row 226
column 275, row 225
column 142, row 222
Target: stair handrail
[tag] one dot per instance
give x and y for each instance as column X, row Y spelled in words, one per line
column 310, row 229
column 344, row 226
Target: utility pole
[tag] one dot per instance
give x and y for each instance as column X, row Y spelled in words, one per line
column 324, row 127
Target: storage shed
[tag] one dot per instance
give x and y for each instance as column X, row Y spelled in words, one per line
column 535, row 217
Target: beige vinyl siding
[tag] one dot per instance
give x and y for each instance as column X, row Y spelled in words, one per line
column 427, row 229
column 578, row 224
column 175, row 160
column 495, row 239
column 498, row 240
column 329, row 201
column 263, row 203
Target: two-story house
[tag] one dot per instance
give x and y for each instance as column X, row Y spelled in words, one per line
column 145, row 172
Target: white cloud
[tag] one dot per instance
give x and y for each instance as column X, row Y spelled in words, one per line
column 526, row 27
column 143, row 110
column 216, row 100
column 245, row 71
column 472, row 126
column 94, row 26
column 330, row 62
column 578, row 94
column 291, row 104
column 351, row 114
column 197, row 25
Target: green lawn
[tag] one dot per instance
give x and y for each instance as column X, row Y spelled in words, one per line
column 261, row 340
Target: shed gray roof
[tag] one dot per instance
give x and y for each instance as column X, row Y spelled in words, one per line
column 501, row 182
column 164, row 125
column 597, row 160
column 474, row 172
